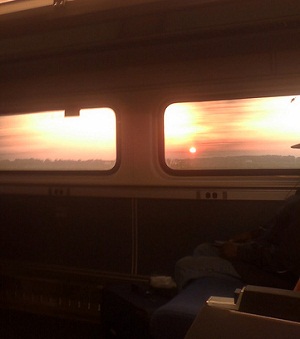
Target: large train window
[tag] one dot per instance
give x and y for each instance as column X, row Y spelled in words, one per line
column 82, row 140
column 242, row 136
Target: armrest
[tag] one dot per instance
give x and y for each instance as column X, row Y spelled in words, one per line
column 214, row 322
column 271, row 302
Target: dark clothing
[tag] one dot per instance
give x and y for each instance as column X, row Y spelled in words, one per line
column 253, row 275
column 271, row 259
column 277, row 249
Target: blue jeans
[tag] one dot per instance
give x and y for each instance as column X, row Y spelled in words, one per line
column 205, row 261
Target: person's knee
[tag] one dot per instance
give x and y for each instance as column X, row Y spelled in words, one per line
column 183, row 270
column 206, row 249
column 184, row 262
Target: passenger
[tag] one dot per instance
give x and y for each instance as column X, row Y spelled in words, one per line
column 268, row 256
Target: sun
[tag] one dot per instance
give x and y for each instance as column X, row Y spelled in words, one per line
column 192, row 150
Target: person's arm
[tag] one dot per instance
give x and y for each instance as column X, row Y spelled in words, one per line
column 251, row 252
column 247, row 236
column 231, row 248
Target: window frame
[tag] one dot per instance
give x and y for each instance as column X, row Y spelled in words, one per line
column 215, row 173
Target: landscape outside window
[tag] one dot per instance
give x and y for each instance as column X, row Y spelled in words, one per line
column 53, row 141
column 254, row 133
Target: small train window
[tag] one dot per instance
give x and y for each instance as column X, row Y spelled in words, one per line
column 59, row 141
column 242, row 135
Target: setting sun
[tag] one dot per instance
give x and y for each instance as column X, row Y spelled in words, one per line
column 193, row 149
column 227, row 129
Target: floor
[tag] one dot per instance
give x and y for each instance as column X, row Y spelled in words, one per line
column 18, row 325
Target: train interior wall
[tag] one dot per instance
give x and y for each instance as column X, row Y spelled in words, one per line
column 130, row 236
column 62, row 250
column 57, row 252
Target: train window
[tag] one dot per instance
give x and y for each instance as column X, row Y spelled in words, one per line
column 243, row 135
column 57, row 141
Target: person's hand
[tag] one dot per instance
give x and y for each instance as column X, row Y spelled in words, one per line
column 229, row 250
column 247, row 236
column 242, row 237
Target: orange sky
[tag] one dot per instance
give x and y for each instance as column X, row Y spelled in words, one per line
column 52, row 136
column 265, row 126
column 249, row 126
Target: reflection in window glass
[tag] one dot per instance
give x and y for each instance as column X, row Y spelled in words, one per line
column 233, row 134
column 53, row 141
